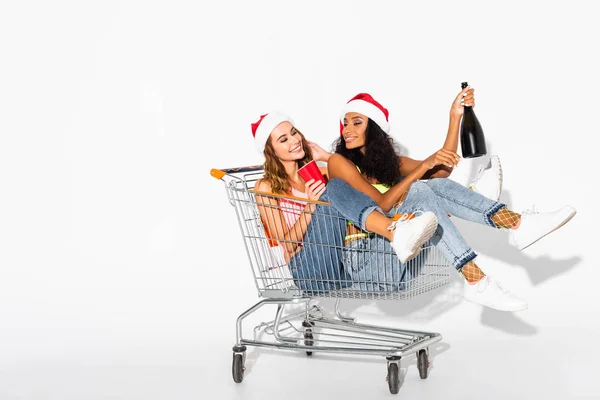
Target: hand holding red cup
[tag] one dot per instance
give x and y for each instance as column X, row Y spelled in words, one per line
column 311, row 171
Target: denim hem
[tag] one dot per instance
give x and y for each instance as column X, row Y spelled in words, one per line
column 491, row 212
column 364, row 214
column 460, row 262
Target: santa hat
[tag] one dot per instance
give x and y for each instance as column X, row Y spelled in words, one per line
column 364, row 104
column 261, row 129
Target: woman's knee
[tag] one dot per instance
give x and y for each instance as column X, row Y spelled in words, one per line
column 337, row 184
column 334, row 183
column 445, row 185
column 439, row 183
column 421, row 194
column 334, row 188
column 420, row 189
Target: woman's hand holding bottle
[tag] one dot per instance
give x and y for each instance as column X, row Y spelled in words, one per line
column 466, row 97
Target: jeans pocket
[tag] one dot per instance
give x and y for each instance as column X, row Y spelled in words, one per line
column 356, row 257
column 349, row 260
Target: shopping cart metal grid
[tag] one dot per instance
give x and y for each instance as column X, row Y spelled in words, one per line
column 309, row 329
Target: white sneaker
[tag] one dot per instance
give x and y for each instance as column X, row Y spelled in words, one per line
column 489, row 181
column 488, row 292
column 535, row 225
column 411, row 234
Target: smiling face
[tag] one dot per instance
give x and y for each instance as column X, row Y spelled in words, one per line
column 287, row 142
column 355, row 128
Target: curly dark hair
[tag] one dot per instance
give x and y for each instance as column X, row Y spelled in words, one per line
column 381, row 161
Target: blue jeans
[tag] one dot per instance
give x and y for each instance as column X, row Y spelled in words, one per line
column 318, row 265
column 373, row 265
column 377, row 271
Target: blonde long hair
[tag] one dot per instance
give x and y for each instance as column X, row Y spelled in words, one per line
column 275, row 172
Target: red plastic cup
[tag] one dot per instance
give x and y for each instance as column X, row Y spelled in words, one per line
column 311, row 171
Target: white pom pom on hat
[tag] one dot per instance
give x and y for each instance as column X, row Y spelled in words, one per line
column 261, row 129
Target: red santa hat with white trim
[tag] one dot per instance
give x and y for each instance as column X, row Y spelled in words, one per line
column 364, row 103
column 261, row 129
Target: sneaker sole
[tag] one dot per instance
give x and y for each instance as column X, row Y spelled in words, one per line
column 570, row 217
column 499, row 177
column 415, row 248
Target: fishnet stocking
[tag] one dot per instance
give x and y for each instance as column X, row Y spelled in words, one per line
column 471, row 272
column 505, row 218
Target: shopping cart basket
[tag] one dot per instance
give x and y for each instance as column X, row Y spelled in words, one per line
column 306, row 328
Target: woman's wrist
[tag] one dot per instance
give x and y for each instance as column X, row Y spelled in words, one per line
column 421, row 170
column 454, row 116
column 326, row 157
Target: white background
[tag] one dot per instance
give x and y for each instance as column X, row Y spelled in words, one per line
column 122, row 269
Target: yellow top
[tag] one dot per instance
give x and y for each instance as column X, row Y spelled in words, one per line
column 379, row 186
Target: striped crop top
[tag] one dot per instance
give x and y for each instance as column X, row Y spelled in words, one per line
column 292, row 208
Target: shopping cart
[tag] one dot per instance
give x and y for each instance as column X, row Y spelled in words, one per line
column 306, row 328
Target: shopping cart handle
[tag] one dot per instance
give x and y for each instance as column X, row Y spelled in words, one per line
column 217, row 173
column 220, row 173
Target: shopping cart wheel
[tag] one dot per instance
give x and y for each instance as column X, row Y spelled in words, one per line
column 308, row 341
column 423, row 363
column 237, row 368
column 308, row 336
column 393, row 378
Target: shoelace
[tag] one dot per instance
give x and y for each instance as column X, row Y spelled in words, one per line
column 479, row 174
column 403, row 219
column 530, row 211
column 487, row 281
column 475, row 178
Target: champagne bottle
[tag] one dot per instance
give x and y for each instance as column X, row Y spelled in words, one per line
column 472, row 141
